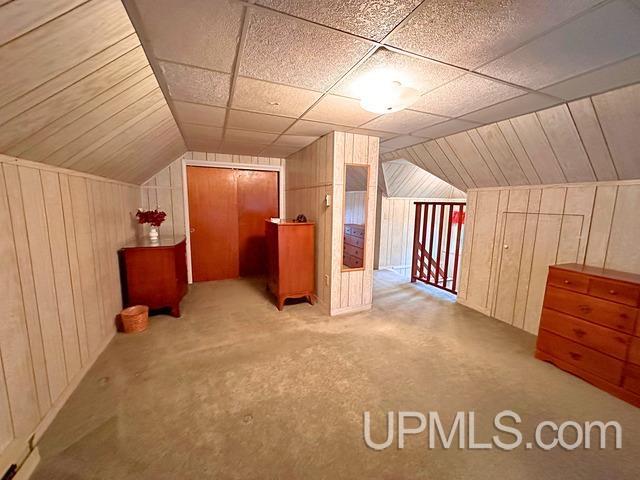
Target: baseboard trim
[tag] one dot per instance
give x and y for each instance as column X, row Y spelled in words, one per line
column 353, row 309
column 46, row 421
column 28, row 466
column 473, row 307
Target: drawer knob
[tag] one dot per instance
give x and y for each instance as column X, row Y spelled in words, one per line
column 612, row 292
column 579, row 332
column 575, row 356
column 567, row 282
column 584, row 308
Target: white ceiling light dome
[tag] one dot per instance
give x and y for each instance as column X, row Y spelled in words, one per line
column 388, row 96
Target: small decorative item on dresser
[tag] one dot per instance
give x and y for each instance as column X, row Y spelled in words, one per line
column 152, row 217
column 300, row 219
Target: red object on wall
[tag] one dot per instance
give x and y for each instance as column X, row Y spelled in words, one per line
column 458, row 217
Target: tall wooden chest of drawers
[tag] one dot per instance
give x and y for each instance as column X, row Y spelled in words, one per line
column 291, row 260
column 590, row 327
column 353, row 246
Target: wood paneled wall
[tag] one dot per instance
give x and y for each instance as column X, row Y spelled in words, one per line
column 404, row 179
column 165, row 189
column 59, row 234
column 77, row 90
column 314, row 172
column 309, row 178
column 397, row 221
column 513, row 234
column 353, row 290
column 590, row 139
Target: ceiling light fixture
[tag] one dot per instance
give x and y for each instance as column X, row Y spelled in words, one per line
column 388, row 97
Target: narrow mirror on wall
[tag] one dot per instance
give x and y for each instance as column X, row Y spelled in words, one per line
column 355, row 216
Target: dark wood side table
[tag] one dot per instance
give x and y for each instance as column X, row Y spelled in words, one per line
column 154, row 273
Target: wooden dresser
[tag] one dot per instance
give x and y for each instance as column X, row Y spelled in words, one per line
column 353, row 246
column 154, row 274
column 590, row 327
column 290, row 260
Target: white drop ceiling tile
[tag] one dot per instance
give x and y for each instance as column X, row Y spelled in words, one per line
column 200, row 145
column 404, row 121
column 605, row 35
column 340, row 110
column 261, row 138
column 201, row 114
column 266, row 97
column 374, row 133
column 598, row 81
column 195, row 84
column 201, row 131
column 401, row 141
column 195, row 32
column 386, row 65
column 278, row 151
column 367, row 18
column 511, row 108
column 384, row 149
column 240, row 148
column 258, row 121
column 445, row 128
column 469, row 34
column 465, row 94
column 306, row 127
column 295, row 140
column 301, row 54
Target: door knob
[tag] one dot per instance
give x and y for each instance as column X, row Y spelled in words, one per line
column 192, row 230
column 506, row 247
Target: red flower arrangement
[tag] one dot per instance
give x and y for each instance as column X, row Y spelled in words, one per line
column 154, row 217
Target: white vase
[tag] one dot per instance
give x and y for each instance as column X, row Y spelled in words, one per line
column 153, row 234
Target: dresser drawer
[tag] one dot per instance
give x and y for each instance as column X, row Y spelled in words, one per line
column 352, row 262
column 599, row 338
column 615, row 291
column 353, row 240
column 634, row 351
column 604, row 366
column 569, row 280
column 596, row 310
column 357, row 231
column 632, row 378
column 353, row 251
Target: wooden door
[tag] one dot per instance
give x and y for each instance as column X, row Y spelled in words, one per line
column 257, row 201
column 213, row 219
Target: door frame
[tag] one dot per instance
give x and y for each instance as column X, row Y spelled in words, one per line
column 238, row 166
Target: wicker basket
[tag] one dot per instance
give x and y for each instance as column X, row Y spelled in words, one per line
column 135, row 319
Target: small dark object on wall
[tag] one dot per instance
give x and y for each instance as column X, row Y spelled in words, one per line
column 301, row 219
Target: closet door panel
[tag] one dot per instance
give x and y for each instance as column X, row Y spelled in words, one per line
column 257, row 201
column 213, row 218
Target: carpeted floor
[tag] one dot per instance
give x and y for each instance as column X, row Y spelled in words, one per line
column 237, row 390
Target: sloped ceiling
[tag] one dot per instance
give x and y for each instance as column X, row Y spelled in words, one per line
column 406, row 180
column 77, row 91
column 591, row 139
column 267, row 77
